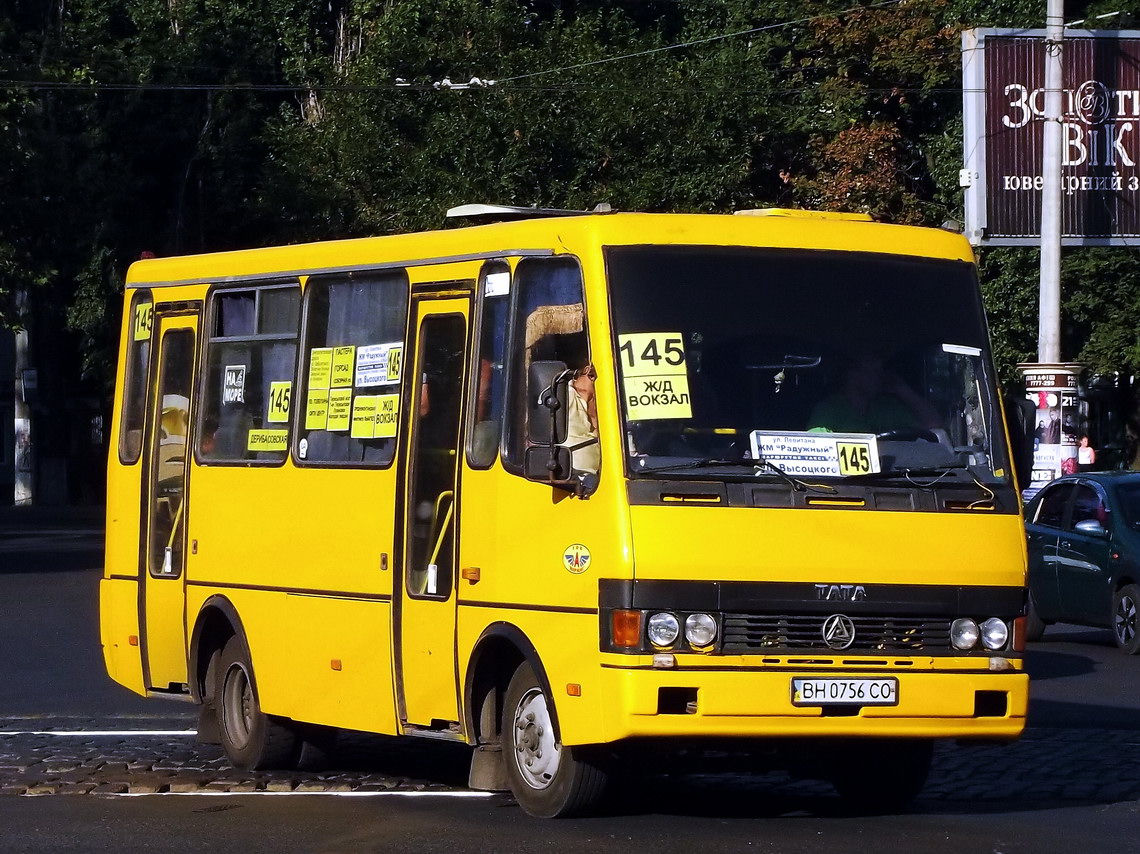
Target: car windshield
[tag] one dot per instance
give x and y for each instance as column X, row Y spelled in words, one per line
column 824, row 364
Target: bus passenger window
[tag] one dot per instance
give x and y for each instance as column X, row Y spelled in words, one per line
column 351, row 367
column 134, row 393
column 247, row 388
column 550, row 324
column 490, row 392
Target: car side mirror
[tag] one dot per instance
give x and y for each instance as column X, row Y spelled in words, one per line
column 548, row 464
column 546, row 392
column 1090, row 528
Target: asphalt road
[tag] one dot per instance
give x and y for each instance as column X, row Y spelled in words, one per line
column 1073, row 783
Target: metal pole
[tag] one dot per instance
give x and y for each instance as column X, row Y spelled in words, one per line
column 1049, row 327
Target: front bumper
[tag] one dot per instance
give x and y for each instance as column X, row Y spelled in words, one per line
column 757, row 702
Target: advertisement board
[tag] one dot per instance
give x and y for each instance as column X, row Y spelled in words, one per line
column 1003, row 107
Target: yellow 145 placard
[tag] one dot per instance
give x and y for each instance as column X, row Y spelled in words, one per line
column 655, row 379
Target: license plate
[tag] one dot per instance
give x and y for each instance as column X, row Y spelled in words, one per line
column 845, row 692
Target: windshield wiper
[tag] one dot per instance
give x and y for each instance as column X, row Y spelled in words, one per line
column 937, row 472
column 759, row 467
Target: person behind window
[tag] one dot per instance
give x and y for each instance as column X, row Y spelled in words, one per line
column 872, row 400
column 582, row 421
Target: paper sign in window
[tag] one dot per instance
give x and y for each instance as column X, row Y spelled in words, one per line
column 340, row 409
column 320, row 367
column 387, row 415
column 317, row 409
column 144, row 315
column 267, row 440
column 655, row 380
column 279, row 394
column 379, row 364
column 363, row 417
column 343, row 362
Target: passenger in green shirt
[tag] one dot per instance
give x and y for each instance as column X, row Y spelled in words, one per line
column 872, row 400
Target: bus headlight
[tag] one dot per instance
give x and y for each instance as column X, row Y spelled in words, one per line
column 700, row 629
column 995, row 633
column 663, row 629
column 964, row 633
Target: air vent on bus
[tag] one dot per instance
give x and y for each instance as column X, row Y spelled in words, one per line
column 484, row 214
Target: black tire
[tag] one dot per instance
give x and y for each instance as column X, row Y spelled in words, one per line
column 548, row 779
column 881, row 775
column 252, row 740
column 1034, row 625
column 1125, row 622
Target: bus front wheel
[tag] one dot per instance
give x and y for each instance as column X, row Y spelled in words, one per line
column 548, row 779
column 252, row 740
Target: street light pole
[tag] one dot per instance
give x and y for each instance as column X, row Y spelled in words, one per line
column 1049, row 324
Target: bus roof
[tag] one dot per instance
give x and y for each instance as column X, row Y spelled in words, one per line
column 773, row 228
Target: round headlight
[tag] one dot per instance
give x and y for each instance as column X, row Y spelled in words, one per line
column 994, row 633
column 964, row 633
column 663, row 629
column 700, row 629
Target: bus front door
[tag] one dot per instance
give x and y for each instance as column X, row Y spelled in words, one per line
column 427, row 675
column 163, row 546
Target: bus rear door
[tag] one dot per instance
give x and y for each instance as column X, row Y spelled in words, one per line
column 437, row 355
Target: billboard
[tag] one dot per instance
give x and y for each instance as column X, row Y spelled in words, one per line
column 1003, row 79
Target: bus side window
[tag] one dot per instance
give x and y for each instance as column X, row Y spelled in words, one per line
column 137, row 376
column 549, row 323
column 490, row 375
column 351, row 367
column 247, row 387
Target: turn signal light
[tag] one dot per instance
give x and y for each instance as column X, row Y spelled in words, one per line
column 626, row 627
column 1018, row 635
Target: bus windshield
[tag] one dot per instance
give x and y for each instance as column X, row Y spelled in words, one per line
column 818, row 363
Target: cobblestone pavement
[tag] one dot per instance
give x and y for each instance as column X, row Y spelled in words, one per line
column 1049, row 766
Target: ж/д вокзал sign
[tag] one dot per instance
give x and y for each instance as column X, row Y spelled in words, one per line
column 1003, row 80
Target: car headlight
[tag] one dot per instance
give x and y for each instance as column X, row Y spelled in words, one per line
column 700, row 629
column 964, row 633
column 995, row 633
column 663, row 629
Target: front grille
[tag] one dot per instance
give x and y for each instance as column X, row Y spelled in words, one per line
column 747, row 632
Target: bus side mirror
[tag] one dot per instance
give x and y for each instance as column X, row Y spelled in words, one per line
column 546, row 391
column 1019, row 420
column 548, row 464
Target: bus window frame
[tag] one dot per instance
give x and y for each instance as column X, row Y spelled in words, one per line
column 129, row 375
column 491, row 265
column 301, row 380
column 513, row 336
column 209, row 314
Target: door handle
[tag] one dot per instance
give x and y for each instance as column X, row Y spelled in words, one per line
column 1065, row 544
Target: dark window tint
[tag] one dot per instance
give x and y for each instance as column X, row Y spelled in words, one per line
column 1087, row 505
column 135, row 382
column 1051, row 510
column 352, row 364
column 490, row 378
column 251, row 357
column 549, row 323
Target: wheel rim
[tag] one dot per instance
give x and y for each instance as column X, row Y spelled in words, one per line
column 1124, row 620
column 536, row 755
column 237, row 706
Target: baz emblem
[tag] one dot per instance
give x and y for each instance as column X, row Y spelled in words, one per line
column 838, row 631
column 576, row 558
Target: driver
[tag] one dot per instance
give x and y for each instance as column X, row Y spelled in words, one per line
column 872, row 400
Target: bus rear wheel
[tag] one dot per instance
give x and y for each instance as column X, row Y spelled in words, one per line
column 252, row 740
column 881, row 775
column 548, row 779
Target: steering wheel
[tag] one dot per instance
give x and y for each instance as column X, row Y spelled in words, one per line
column 910, row 435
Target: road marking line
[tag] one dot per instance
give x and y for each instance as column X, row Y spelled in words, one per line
column 209, row 794
column 101, row 732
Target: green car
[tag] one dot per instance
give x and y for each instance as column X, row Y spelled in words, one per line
column 1083, row 534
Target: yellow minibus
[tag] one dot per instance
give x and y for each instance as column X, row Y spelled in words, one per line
column 569, row 487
